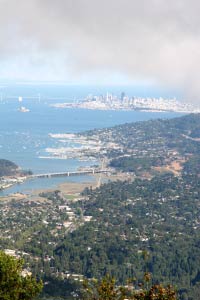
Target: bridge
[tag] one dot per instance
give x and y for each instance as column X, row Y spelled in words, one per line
column 67, row 173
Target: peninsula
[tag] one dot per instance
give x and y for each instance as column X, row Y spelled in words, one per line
column 124, row 102
column 10, row 174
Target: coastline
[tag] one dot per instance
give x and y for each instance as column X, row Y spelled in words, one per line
column 68, row 188
column 157, row 105
column 67, row 106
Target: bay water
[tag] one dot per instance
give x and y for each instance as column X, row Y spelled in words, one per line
column 24, row 137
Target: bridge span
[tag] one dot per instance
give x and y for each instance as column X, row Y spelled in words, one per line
column 67, row 173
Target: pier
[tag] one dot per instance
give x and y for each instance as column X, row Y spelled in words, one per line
column 67, row 173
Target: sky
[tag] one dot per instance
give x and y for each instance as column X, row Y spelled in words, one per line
column 154, row 42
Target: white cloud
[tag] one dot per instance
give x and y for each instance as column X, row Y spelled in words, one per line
column 155, row 40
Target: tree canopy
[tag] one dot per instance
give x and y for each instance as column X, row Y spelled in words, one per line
column 106, row 289
column 13, row 284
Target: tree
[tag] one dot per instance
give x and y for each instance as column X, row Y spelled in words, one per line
column 106, row 289
column 13, row 285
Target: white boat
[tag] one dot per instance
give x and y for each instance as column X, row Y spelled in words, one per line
column 23, row 109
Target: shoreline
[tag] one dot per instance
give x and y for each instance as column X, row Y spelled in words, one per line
column 68, row 188
column 145, row 109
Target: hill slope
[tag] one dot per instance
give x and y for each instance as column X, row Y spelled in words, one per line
column 8, row 168
column 109, row 228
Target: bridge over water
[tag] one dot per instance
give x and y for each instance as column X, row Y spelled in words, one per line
column 68, row 173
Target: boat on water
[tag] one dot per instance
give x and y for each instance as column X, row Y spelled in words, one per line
column 23, row 109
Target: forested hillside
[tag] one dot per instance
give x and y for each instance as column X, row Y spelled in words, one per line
column 123, row 228
column 160, row 216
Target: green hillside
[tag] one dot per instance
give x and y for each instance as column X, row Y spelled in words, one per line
column 108, row 229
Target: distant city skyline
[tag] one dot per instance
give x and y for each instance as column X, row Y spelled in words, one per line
column 102, row 42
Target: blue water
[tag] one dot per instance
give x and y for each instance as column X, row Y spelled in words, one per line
column 24, row 136
column 45, row 183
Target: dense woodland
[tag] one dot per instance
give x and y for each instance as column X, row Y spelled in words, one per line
column 121, row 228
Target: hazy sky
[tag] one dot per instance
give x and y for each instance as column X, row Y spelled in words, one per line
column 107, row 41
